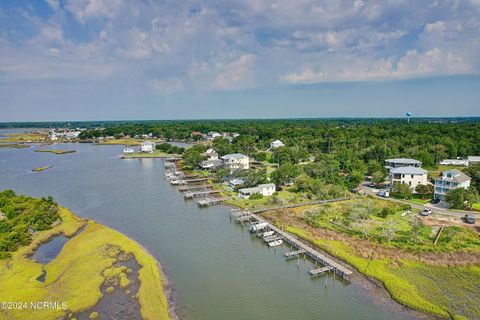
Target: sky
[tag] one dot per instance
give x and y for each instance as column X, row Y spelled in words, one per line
column 182, row 59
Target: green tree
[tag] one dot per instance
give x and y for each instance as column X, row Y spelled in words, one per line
column 402, row 189
column 424, row 190
column 284, row 174
column 456, row 198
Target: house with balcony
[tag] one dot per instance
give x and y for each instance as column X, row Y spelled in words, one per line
column 448, row 180
column 236, row 161
column 412, row 176
column 402, row 162
column 265, row 190
column 147, row 146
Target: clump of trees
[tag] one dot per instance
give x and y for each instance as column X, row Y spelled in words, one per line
column 168, row 148
column 21, row 217
column 461, row 198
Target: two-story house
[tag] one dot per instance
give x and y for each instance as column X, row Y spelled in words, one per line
column 413, row 176
column 236, row 161
column 448, row 180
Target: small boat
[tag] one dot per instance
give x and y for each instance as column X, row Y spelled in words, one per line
column 268, row 234
column 128, row 150
column 258, row 226
column 275, row 243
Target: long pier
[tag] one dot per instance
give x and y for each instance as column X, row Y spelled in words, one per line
column 301, row 248
column 200, row 187
column 209, row 202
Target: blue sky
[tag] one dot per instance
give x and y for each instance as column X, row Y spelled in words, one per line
column 115, row 59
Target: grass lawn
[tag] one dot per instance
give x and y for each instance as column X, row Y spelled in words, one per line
column 14, row 145
column 42, row 168
column 77, row 273
column 416, row 199
column 476, row 206
column 156, row 154
column 55, row 151
column 281, row 198
column 24, row 137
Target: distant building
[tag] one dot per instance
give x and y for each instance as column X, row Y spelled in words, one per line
column 236, row 161
column 412, row 176
column 448, row 180
column 196, row 135
column 211, row 164
column 473, row 159
column 264, row 189
column 454, row 162
column 211, row 154
column 276, row 144
column 147, row 146
column 234, row 183
column 212, row 135
column 402, row 162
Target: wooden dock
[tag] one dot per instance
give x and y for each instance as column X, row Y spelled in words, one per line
column 190, row 195
column 294, row 254
column 200, row 187
column 301, row 248
column 319, row 271
column 209, row 202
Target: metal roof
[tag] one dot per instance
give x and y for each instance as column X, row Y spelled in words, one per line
column 403, row 160
column 408, row 170
column 234, row 156
column 457, row 176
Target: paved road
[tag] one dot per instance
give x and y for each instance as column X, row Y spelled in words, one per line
column 455, row 213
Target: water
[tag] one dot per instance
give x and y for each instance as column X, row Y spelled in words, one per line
column 218, row 270
column 49, row 250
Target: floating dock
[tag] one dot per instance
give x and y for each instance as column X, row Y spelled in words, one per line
column 320, row 271
column 200, row 187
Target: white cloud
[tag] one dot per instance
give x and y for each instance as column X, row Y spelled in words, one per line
column 306, row 76
column 167, row 86
column 236, row 74
column 84, row 9
column 54, row 4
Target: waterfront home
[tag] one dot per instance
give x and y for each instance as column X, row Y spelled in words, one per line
column 402, row 162
column 276, row 144
column 211, row 154
column 211, row 164
column 234, row 183
column 147, row 146
column 196, row 135
column 448, row 180
column 212, row 135
column 266, row 190
column 128, row 150
column 454, row 162
column 236, row 161
column 412, row 176
column 473, row 160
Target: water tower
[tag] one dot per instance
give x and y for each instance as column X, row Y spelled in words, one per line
column 408, row 114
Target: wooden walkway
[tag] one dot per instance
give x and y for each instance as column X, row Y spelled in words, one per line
column 309, row 252
column 189, row 195
column 319, row 271
column 189, row 188
column 209, row 202
column 294, row 254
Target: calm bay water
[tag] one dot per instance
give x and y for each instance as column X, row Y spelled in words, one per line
column 218, row 270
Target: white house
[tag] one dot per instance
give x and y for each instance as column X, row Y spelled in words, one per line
column 211, row 154
column 264, row 189
column 236, row 161
column 211, row 164
column 473, row 159
column 147, row 146
column 212, row 135
column 448, row 180
column 413, row 176
column 454, row 162
column 235, row 183
column 276, row 144
column 402, row 162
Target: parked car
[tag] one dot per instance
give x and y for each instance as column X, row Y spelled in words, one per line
column 435, row 200
column 469, row 219
column 426, row 212
column 384, row 193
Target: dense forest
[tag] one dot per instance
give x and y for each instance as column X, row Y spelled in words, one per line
column 344, row 150
column 21, row 217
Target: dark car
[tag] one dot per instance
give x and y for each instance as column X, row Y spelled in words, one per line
column 469, row 219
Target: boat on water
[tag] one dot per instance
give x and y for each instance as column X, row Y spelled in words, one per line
column 275, row 243
column 268, row 234
column 128, row 150
column 258, row 226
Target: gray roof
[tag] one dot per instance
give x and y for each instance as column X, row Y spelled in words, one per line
column 234, row 156
column 409, row 170
column 249, row 190
column 215, row 162
column 458, row 176
column 404, row 160
column 267, row 185
column 473, row 158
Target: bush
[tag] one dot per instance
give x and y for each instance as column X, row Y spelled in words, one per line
column 386, row 211
column 256, row 196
